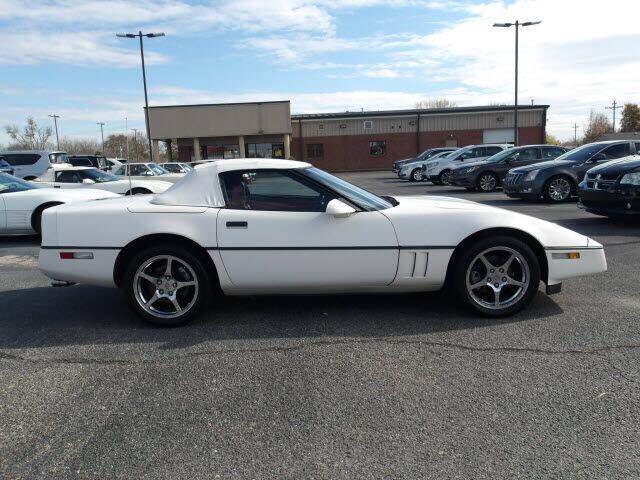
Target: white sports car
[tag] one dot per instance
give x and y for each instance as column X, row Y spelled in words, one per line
column 68, row 177
column 260, row 226
column 22, row 203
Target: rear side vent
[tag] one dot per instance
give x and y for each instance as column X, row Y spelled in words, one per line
column 419, row 262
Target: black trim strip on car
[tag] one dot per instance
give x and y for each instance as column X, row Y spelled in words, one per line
column 391, row 247
column 65, row 247
column 575, row 248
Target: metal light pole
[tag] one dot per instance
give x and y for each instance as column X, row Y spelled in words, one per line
column 144, row 77
column 517, row 24
column 126, row 136
column 101, row 134
column 135, row 143
column 55, row 122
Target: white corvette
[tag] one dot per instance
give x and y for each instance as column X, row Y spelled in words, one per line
column 22, row 203
column 68, row 177
column 258, row 226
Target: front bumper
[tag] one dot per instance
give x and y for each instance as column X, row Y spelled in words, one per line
column 614, row 201
column 521, row 190
column 592, row 260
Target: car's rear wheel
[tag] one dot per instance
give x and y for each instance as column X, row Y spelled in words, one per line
column 166, row 285
column 139, row 191
column 497, row 276
column 558, row 189
column 416, row 175
column 487, row 182
column 445, row 177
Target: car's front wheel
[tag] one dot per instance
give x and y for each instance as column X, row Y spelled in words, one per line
column 166, row 285
column 416, row 175
column 445, row 177
column 558, row 189
column 487, row 182
column 497, row 276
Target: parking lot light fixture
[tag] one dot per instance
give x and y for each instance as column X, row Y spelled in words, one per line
column 144, row 77
column 516, row 24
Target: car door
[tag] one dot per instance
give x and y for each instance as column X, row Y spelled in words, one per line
column 3, row 214
column 274, row 234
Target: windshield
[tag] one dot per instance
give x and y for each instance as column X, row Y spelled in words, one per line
column 99, row 176
column 58, row 157
column 357, row 195
column 3, row 163
column 582, row 153
column 11, row 184
column 157, row 169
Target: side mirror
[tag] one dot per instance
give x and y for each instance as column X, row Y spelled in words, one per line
column 339, row 209
column 88, row 181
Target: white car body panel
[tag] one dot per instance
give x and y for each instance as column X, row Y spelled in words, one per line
column 436, row 166
column 392, row 250
column 17, row 208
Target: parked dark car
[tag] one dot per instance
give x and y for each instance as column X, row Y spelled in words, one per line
column 422, row 157
column 5, row 167
column 612, row 189
column 97, row 161
column 557, row 180
column 488, row 174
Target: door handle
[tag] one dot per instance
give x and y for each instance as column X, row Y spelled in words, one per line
column 237, row 224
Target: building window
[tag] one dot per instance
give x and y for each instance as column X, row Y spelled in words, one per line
column 315, row 150
column 222, row 151
column 368, row 124
column 378, row 149
column 265, row 150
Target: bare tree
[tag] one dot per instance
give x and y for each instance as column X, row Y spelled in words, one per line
column 435, row 103
column 598, row 125
column 30, row 137
column 79, row 146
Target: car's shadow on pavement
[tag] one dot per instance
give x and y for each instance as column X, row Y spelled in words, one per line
column 82, row 315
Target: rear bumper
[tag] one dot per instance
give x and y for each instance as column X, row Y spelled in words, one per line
column 95, row 271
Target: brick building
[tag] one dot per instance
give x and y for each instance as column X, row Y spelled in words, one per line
column 336, row 141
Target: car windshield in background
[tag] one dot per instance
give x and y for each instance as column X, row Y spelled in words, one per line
column 357, row 195
column 99, row 176
column 157, row 169
column 582, row 153
column 11, row 184
column 59, row 157
column 502, row 155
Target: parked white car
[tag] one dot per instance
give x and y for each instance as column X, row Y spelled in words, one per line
column 412, row 171
column 142, row 171
column 67, row 177
column 264, row 226
column 30, row 164
column 22, row 203
column 439, row 171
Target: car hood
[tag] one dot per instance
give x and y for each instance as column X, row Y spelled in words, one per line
column 544, row 166
column 403, row 161
column 455, row 219
column 75, row 195
column 618, row 167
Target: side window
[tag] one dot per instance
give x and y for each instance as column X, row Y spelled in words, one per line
column 527, row 154
column 637, row 148
column 273, row 190
column 616, row 151
column 21, row 159
column 472, row 153
column 139, row 170
column 68, row 177
column 492, row 151
column 552, row 152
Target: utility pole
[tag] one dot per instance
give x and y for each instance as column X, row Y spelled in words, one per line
column 575, row 134
column 101, row 134
column 55, row 122
column 126, row 136
column 135, row 143
column 614, row 106
column 517, row 24
column 144, row 78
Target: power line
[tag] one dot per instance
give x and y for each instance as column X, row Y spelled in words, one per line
column 575, row 134
column 55, row 122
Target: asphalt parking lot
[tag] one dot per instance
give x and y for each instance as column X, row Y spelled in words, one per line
column 408, row 386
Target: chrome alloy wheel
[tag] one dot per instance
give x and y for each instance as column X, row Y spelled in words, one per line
column 165, row 286
column 417, row 175
column 559, row 189
column 446, row 177
column 497, row 278
column 488, row 183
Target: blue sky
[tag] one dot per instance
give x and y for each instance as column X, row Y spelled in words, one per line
column 61, row 56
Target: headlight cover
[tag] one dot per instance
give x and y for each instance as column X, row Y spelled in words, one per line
column 531, row 175
column 632, row 178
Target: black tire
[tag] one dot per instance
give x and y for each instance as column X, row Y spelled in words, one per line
column 487, row 182
column 199, row 293
column 467, row 265
column 416, row 175
column 445, row 177
column 138, row 191
column 550, row 191
column 28, row 178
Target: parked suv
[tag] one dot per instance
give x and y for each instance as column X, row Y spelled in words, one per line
column 557, row 180
column 30, row 164
column 439, row 171
column 412, row 170
column 612, row 189
column 5, row 167
column 398, row 164
column 96, row 161
column 488, row 174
